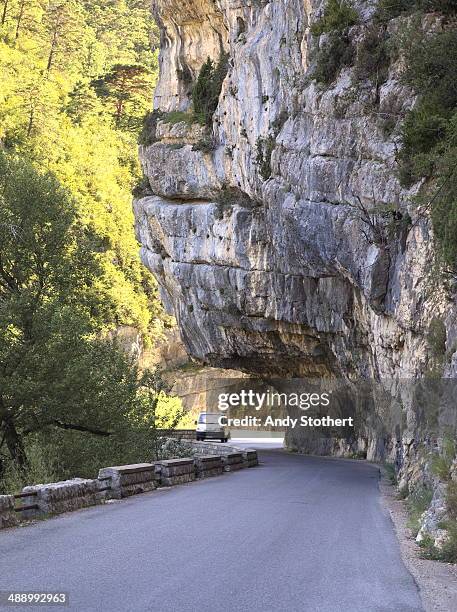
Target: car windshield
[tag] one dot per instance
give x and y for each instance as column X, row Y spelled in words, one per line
column 208, row 417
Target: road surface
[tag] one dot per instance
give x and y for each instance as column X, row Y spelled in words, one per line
column 295, row 534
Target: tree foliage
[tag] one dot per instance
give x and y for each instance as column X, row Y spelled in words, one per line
column 389, row 9
column 76, row 82
column 54, row 302
column 207, row 88
column 336, row 53
column 124, row 86
column 77, row 77
column 339, row 15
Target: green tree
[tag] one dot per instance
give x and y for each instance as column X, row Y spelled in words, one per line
column 82, row 102
column 54, row 368
column 208, row 87
column 65, row 27
column 127, row 87
column 6, row 4
column 27, row 15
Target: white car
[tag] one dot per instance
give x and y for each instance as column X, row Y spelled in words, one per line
column 208, row 427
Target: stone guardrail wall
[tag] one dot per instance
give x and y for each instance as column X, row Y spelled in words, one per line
column 250, row 456
column 117, row 482
column 214, row 448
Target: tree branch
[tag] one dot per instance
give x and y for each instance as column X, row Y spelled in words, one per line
column 72, row 426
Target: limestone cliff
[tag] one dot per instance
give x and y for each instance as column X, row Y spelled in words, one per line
column 288, row 246
column 284, row 276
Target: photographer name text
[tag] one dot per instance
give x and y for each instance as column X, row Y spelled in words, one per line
column 288, row 421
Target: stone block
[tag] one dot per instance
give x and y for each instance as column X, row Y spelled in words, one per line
column 58, row 497
column 8, row 517
column 233, row 461
column 175, row 471
column 208, row 465
column 250, row 457
column 129, row 480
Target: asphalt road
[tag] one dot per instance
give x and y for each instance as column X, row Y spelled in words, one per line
column 295, row 534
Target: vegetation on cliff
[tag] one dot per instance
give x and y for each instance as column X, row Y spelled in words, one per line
column 207, row 89
column 337, row 51
column 205, row 97
column 396, row 65
column 428, row 55
column 429, row 133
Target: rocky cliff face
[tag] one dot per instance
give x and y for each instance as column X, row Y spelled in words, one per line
column 287, row 247
column 260, row 246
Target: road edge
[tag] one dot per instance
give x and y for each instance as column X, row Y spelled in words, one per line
column 437, row 581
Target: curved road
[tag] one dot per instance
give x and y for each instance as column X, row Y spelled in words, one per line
column 295, row 534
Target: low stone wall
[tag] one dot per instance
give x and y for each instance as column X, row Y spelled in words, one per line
column 65, row 496
column 8, row 517
column 116, row 482
column 175, row 471
column 129, row 480
column 208, row 465
column 249, row 455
